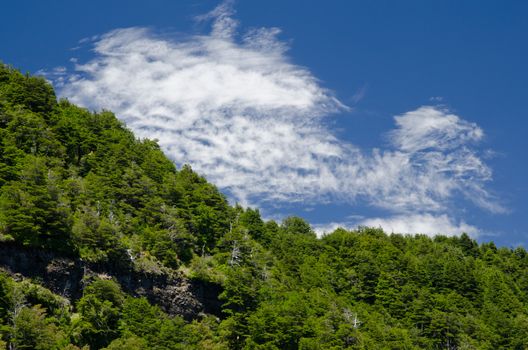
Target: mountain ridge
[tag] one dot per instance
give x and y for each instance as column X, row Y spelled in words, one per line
column 105, row 244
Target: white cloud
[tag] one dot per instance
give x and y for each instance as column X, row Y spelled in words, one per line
column 432, row 128
column 329, row 227
column 422, row 223
column 240, row 112
column 413, row 223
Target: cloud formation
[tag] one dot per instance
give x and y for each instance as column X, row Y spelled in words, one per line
column 421, row 223
column 424, row 223
column 240, row 112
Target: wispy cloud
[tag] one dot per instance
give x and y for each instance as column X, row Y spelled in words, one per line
column 431, row 128
column 238, row 110
column 423, row 223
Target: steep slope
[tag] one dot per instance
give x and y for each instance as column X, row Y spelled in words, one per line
column 105, row 244
column 80, row 182
column 82, row 199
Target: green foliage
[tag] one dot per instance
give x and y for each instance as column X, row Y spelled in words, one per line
column 32, row 210
column 131, row 343
column 296, row 225
column 80, row 183
column 140, row 318
column 33, row 93
column 31, row 330
column 96, row 237
column 100, row 309
column 24, row 322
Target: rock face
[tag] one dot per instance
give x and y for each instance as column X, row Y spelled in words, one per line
column 66, row 276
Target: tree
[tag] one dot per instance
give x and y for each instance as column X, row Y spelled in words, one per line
column 95, row 236
column 32, row 211
column 130, row 343
column 33, row 93
column 31, row 330
column 296, row 225
column 100, row 308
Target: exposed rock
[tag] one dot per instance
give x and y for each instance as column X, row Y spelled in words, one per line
column 65, row 276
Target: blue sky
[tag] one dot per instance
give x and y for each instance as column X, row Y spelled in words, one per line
column 291, row 106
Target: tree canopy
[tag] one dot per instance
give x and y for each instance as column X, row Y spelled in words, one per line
column 80, row 184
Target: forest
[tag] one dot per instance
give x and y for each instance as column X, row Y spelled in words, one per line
column 78, row 184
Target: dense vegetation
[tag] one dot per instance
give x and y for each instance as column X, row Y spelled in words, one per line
column 80, row 184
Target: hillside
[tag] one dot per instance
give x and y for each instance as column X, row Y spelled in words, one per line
column 105, row 244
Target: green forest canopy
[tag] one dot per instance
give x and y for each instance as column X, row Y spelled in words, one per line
column 82, row 185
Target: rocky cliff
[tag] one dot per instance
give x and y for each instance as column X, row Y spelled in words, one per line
column 66, row 276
